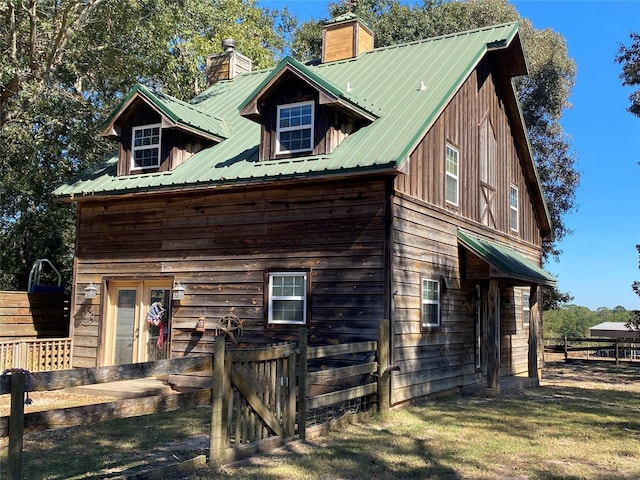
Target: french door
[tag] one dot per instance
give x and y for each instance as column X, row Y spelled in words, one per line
column 137, row 326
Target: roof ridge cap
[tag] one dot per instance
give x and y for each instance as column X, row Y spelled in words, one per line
column 426, row 40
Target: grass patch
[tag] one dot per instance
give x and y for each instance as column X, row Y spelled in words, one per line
column 583, row 423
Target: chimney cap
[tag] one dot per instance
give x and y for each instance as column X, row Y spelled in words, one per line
column 228, row 45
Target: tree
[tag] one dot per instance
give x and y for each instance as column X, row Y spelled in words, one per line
column 543, row 94
column 629, row 57
column 570, row 321
column 65, row 65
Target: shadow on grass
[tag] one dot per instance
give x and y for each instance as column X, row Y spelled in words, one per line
column 447, row 438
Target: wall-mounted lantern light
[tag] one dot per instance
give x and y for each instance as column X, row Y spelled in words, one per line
column 91, row 291
column 201, row 324
column 178, row 291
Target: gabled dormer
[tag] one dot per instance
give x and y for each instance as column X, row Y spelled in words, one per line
column 157, row 132
column 302, row 113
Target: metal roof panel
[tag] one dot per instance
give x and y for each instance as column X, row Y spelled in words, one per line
column 409, row 85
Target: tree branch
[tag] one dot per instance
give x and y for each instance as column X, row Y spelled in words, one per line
column 68, row 31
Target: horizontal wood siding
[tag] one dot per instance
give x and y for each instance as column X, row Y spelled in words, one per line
column 478, row 98
column 425, row 246
column 220, row 245
column 33, row 315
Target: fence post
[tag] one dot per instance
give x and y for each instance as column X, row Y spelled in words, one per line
column 617, row 351
column 566, row 349
column 16, row 425
column 384, row 375
column 302, row 384
column 217, row 438
column 290, row 424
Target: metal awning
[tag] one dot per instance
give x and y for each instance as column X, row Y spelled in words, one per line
column 505, row 262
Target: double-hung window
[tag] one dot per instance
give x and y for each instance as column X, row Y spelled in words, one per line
column 430, row 303
column 513, row 205
column 145, row 147
column 295, row 127
column 287, row 297
column 452, row 158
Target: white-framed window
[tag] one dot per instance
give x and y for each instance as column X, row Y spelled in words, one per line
column 430, row 303
column 526, row 309
column 287, row 297
column 145, row 147
column 513, row 206
column 295, row 127
column 452, row 157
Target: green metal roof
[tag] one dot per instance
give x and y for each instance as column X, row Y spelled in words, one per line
column 509, row 262
column 181, row 113
column 409, row 85
column 353, row 103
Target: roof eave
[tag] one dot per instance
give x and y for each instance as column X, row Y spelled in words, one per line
column 388, row 169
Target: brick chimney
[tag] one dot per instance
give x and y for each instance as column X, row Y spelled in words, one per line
column 345, row 37
column 226, row 65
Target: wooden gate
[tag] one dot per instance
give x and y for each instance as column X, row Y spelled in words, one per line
column 253, row 400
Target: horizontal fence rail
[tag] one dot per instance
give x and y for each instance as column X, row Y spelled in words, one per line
column 253, row 400
column 595, row 348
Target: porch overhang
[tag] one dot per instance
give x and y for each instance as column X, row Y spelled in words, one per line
column 504, row 262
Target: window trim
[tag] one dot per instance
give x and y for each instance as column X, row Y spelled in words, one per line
column 450, row 175
column 423, row 302
column 157, row 146
column 270, row 275
column 514, row 209
column 310, row 126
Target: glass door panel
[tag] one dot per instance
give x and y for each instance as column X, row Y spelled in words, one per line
column 126, row 331
column 157, row 319
column 137, row 328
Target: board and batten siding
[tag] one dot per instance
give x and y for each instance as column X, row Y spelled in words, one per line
column 479, row 98
column 425, row 244
column 219, row 245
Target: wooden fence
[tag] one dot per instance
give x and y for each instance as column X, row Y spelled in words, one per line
column 595, row 348
column 34, row 330
column 36, row 355
column 27, row 316
column 260, row 400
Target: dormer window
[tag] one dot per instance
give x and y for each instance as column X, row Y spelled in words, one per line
column 295, row 127
column 145, row 147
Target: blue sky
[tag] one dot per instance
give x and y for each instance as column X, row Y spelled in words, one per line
column 599, row 260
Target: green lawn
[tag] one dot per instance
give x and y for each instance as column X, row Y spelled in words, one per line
column 583, row 423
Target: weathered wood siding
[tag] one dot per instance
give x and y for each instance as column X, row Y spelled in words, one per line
column 176, row 146
column 219, row 246
column 33, row 315
column 480, row 97
column 330, row 125
column 425, row 245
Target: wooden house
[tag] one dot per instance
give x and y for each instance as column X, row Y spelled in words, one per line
column 393, row 183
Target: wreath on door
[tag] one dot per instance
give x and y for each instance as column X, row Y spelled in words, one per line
column 155, row 317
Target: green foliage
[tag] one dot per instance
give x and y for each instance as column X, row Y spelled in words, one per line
column 65, row 66
column 575, row 321
column 629, row 58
